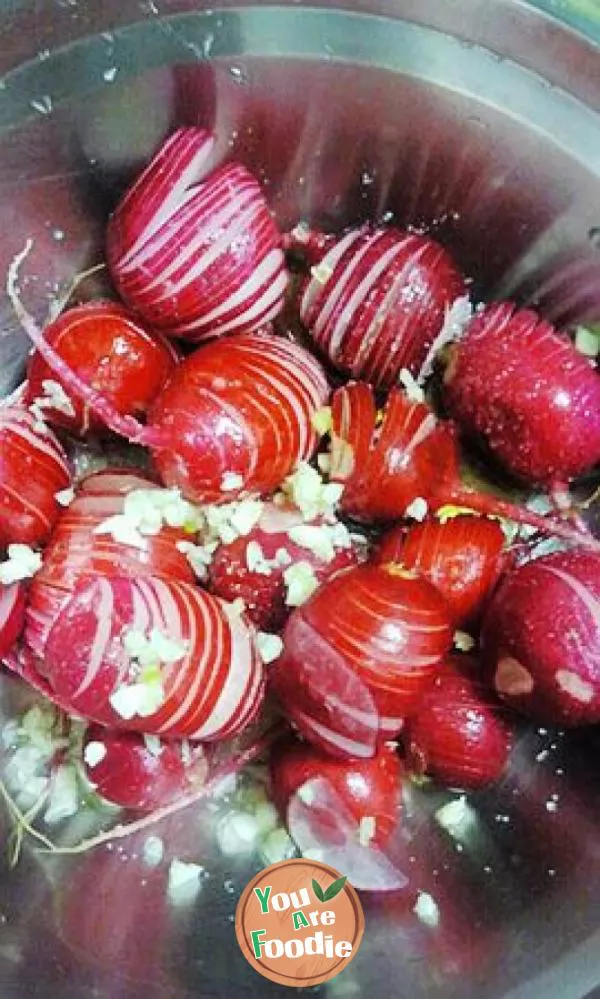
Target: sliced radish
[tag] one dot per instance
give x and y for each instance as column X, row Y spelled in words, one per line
column 376, row 300
column 463, row 557
column 211, row 690
column 367, row 630
column 369, row 788
column 196, row 255
column 323, row 826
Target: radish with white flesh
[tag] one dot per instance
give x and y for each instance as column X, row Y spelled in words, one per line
column 76, row 547
column 541, row 639
column 530, row 394
column 33, row 469
column 358, row 656
column 154, row 656
column 12, row 615
column 254, row 568
column 370, row 788
column 196, row 255
column 463, row 557
column 236, row 411
column 324, row 827
column 458, row 734
column 388, row 460
column 108, row 348
column 376, row 300
column 143, row 773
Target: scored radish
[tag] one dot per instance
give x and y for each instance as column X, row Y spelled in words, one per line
column 458, row 734
column 463, row 557
column 196, row 255
column 33, row 469
column 369, row 788
column 238, row 410
column 12, row 615
column 376, row 300
column 76, row 548
column 108, row 348
column 528, row 392
column 208, row 686
column 385, row 638
column 139, row 772
column 323, row 826
column 541, row 639
column 387, row 461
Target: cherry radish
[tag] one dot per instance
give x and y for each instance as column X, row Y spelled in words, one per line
column 12, row 615
column 458, row 734
column 528, row 392
column 142, row 773
column 33, row 469
column 387, row 461
column 370, row 789
column 235, row 416
column 359, row 655
column 319, row 820
column 75, row 548
column 541, row 639
column 376, row 300
column 111, row 351
column 196, row 254
column 253, row 567
column 201, row 677
column 463, row 557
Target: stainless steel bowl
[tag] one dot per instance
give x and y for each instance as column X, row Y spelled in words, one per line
column 479, row 119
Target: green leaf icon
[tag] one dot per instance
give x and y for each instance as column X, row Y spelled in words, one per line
column 318, row 890
column 334, row 889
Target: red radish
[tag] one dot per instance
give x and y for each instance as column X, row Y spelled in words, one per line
column 33, row 469
column 108, row 348
column 388, row 460
column 12, row 615
column 196, row 255
column 75, row 549
column 541, row 639
column 237, row 411
column 457, row 734
column 463, row 557
column 209, row 689
column 270, row 545
column 320, row 821
column 370, row 789
column 131, row 772
column 530, row 394
column 358, row 657
column 240, row 407
column 376, row 300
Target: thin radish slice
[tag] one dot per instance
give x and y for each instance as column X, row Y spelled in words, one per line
column 321, row 824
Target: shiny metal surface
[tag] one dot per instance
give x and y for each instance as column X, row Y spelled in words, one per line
column 479, row 119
